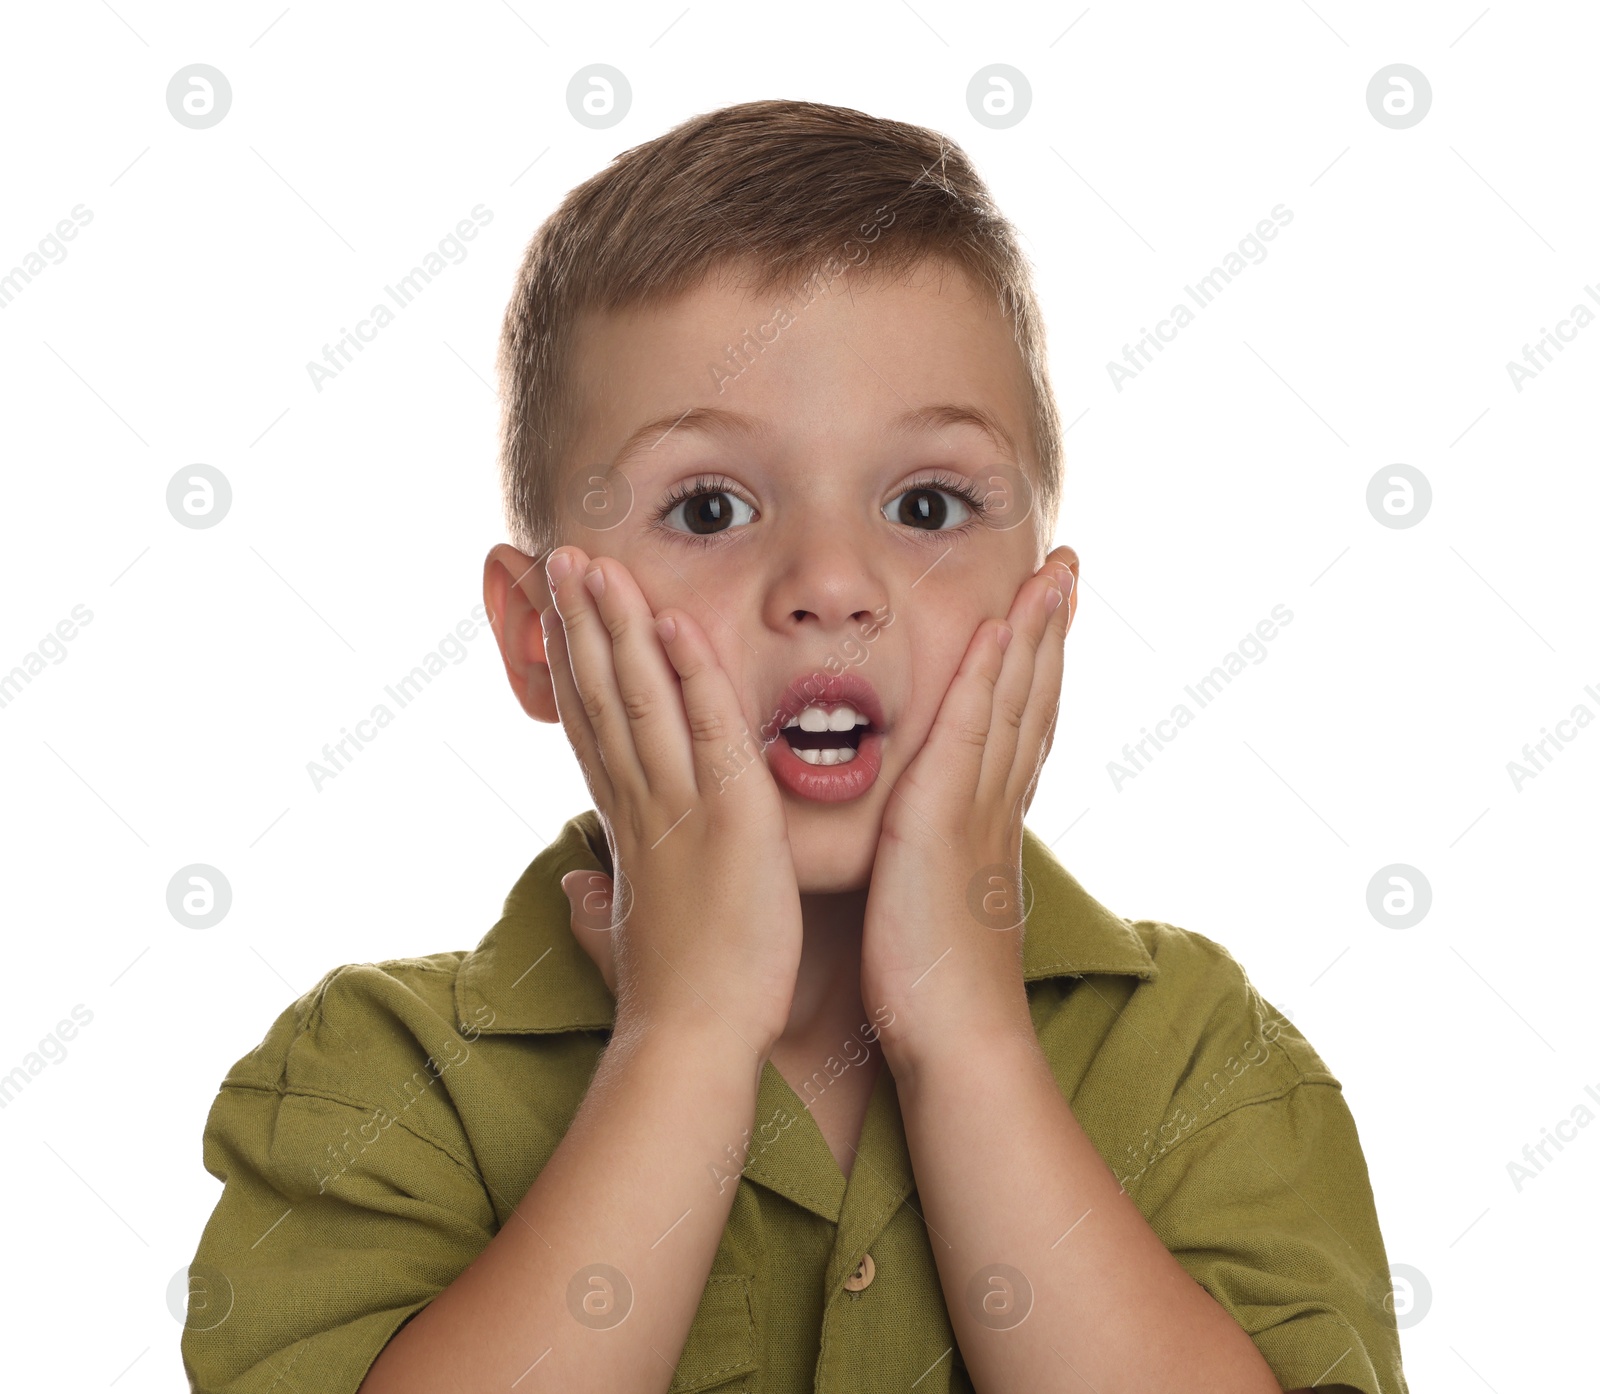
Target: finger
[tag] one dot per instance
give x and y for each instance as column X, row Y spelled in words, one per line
column 961, row 729
column 648, row 687
column 569, row 706
column 1044, row 698
column 1029, row 618
column 722, row 747
column 594, row 671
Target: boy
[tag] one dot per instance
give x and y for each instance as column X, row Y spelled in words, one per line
column 759, row 1083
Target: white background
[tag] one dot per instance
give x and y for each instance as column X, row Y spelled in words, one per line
column 1230, row 476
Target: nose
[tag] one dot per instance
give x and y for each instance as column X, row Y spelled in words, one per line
column 827, row 582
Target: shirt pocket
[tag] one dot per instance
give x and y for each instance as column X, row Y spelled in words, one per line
column 722, row 1338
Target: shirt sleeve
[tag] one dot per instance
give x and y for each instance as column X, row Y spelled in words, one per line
column 337, row 1223
column 1269, row 1207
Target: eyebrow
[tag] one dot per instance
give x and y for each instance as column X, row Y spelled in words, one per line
column 957, row 414
column 712, row 421
column 720, row 421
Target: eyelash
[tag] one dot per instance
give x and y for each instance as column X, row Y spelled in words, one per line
column 964, row 489
column 689, row 489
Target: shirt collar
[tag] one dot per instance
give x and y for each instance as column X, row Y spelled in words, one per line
column 532, row 975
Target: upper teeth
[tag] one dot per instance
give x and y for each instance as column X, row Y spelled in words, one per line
column 839, row 718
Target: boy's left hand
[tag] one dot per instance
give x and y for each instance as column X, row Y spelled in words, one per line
column 942, row 938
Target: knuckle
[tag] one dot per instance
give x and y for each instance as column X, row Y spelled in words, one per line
column 687, row 665
column 639, row 704
column 708, row 726
column 1012, row 712
column 969, row 733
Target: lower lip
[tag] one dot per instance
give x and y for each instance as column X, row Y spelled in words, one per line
column 827, row 783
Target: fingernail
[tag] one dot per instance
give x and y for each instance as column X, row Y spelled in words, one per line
column 1004, row 637
column 595, row 579
column 1052, row 600
column 557, row 567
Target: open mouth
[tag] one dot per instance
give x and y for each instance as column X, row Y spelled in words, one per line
column 827, row 735
column 833, row 731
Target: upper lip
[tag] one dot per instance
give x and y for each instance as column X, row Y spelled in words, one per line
column 816, row 686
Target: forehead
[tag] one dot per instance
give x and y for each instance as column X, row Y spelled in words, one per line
column 817, row 363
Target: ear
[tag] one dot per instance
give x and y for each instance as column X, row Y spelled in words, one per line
column 589, row 898
column 514, row 592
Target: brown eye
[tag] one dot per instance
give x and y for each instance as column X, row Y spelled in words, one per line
column 928, row 509
column 704, row 511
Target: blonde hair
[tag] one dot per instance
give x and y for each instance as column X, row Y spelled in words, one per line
column 779, row 187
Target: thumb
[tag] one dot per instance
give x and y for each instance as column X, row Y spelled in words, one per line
column 589, row 895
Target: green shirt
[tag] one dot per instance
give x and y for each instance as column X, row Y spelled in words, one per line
column 382, row 1132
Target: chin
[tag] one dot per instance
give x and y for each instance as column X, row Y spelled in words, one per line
column 833, row 860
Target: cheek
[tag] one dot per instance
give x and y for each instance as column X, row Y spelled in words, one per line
column 936, row 641
column 664, row 589
column 943, row 619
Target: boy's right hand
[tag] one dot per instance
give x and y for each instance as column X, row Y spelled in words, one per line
column 704, row 919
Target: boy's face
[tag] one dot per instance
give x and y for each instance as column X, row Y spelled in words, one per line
column 800, row 558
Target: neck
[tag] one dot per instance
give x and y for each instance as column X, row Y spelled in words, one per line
column 827, row 990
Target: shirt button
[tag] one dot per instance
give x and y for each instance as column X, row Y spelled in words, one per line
column 862, row 1276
